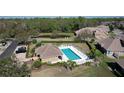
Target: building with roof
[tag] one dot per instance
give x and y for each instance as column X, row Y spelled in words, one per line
column 48, row 53
column 112, row 47
column 121, row 37
column 99, row 32
column 113, row 23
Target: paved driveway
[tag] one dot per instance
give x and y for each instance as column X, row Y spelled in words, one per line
column 9, row 51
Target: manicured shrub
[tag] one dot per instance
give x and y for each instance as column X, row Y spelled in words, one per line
column 71, row 64
column 87, row 63
column 37, row 64
column 34, row 41
column 58, row 35
column 38, row 44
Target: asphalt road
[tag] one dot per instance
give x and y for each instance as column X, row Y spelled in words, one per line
column 9, row 51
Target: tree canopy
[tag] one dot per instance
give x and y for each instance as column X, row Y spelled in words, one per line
column 22, row 28
column 11, row 69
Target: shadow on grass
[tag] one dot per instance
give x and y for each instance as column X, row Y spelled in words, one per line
column 116, row 69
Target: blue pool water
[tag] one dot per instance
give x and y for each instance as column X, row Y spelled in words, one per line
column 70, row 54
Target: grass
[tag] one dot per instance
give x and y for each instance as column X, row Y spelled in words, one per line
column 56, row 39
column 92, row 71
column 70, row 34
column 60, row 37
column 80, row 71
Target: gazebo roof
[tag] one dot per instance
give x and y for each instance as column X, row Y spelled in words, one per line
column 48, row 51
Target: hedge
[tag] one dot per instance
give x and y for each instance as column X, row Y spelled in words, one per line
column 49, row 36
column 61, row 41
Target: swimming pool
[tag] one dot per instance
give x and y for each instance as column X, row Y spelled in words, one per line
column 70, row 54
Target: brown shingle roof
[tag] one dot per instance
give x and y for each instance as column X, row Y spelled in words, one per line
column 100, row 31
column 121, row 37
column 112, row 44
column 48, row 51
column 84, row 30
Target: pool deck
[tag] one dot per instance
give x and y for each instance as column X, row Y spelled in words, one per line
column 83, row 57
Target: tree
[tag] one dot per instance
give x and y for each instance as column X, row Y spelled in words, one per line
column 12, row 33
column 22, row 36
column 3, row 36
column 111, row 27
column 85, row 36
column 10, row 69
column 24, row 70
column 23, row 28
column 121, row 27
